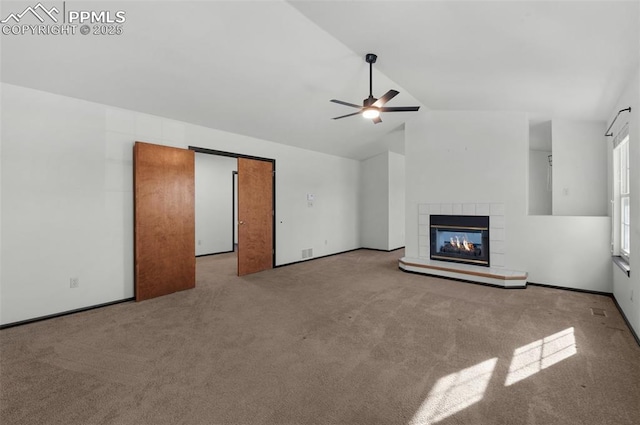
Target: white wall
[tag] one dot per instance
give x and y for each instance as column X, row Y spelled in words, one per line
column 482, row 157
column 540, row 183
column 579, row 168
column 67, row 202
column 382, row 200
column 567, row 251
column 1, row 173
column 214, row 203
column 67, row 209
column 374, row 203
column 397, row 188
column 625, row 286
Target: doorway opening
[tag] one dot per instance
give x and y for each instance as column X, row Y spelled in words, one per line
column 214, row 219
column 253, row 237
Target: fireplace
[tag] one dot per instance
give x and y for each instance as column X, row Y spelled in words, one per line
column 460, row 238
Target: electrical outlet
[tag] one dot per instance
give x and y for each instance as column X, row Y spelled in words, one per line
column 199, row 241
column 74, row 282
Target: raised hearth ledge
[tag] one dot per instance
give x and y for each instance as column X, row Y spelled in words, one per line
column 486, row 275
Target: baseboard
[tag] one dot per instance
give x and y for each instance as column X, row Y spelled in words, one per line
column 316, row 258
column 336, row 253
column 633, row 332
column 214, row 253
column 78, row 310
column 383, row 250
column 606, row 294
column 64, row 313
column 565, row 288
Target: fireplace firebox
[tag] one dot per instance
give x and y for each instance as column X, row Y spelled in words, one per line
column 460, row 238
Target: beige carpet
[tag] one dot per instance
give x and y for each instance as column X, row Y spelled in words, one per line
column 347, row 339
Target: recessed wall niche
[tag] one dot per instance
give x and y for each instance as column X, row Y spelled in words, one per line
column 567, row 168
column 540, row 168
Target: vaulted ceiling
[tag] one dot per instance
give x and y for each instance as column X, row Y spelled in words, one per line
column 268, row 68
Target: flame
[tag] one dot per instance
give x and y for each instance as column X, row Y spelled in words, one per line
column 461, row 244
column 467, row 245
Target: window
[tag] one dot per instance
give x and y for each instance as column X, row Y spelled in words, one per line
column 621, row 211
column 625, row 229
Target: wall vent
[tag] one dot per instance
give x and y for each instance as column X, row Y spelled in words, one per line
column 598, row 312
column 307, row 253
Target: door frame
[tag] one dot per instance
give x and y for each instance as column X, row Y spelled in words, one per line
column 273, row 200
column 234, row 175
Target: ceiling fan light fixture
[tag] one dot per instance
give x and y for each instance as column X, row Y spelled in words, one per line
column 371, row 113
column 372, row 107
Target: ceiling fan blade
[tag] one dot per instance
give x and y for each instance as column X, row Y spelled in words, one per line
column 345, row 116
column 376, row 120
column 399, row 108
column 387, row 97
column 345, row 103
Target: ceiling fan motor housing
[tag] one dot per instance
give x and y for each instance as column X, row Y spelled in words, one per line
column 368, row 101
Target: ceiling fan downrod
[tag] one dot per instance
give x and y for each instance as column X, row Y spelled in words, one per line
column 371, row 59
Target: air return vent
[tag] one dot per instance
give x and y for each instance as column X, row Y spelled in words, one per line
column 307, row 253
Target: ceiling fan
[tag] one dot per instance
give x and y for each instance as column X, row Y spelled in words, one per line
column 372, row 107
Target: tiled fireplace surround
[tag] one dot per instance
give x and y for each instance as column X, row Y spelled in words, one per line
column 495, row 212
column 496, row 274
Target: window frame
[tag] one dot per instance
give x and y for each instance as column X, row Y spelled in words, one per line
column 621, row 229
column 624, row 199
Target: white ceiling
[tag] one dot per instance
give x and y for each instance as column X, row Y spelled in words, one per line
column 268, row 68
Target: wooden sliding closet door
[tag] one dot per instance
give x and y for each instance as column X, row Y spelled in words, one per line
column 255, row 216
column 164, row 224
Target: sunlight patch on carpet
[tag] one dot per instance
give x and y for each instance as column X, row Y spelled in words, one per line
column 455, row 392
column 541, row 354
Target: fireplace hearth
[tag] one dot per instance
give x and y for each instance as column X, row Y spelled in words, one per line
column 460, row 239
